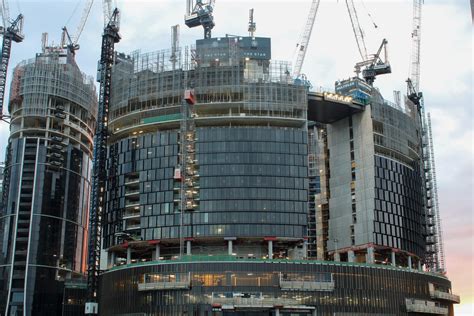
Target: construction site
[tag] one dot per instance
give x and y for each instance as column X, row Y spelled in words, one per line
column 221, row 182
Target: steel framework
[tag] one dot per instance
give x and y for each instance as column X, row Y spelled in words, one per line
column 110, row 37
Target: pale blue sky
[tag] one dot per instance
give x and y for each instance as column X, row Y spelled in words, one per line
column 446, row 71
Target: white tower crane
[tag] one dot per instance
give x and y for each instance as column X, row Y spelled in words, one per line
column 12, row 31
column 71, row 42
column 434, row 260
column 358, row 32
column 199, row 12
column 302, row 45
column 375, row 65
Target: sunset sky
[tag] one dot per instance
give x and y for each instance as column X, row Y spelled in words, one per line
column 446, row 73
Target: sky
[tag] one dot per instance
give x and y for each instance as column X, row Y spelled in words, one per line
column 446, row 73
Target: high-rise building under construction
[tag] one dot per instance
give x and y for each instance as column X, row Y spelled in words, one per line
column 45, row 202
column 233, row 190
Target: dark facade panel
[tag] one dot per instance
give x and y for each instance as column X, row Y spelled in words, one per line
column 357, row 289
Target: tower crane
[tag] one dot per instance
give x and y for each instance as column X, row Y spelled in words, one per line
column 413, row 83
column 374, row 65
column 252, row 25
column 12, row 31
column 358, row 32
column 302, row 45
column 434, row 260
column 72, row 41
column 110, row 37
column 199, row 12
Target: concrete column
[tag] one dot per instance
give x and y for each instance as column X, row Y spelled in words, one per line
column 394, row 260
column 350, row 256
column 111, row 259
column 270, row 249
column 419, row 265
column 129, row 255
column 315, row 312
column 409, row 263
column 188, row 247
column 337, row 257
column 157, row 252
column 229, row 247
column 370, row 255
column 277, row 312
column 305, row 249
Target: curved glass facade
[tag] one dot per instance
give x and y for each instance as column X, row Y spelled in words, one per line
column 43, row 245
column 210, row 209
column 229, row 287
column 253, row 183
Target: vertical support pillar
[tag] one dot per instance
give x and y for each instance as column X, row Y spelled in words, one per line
column 337, row 257
column 270, row 249
column 419, row 265
column 229, row 247
column 277, row 312
column 305, row 249
column 394, row 260
column 370, row 255
column 129, row 255
column 157, row 252
column 350, row 256
column 111, row 259
column 409, row 263
column 188, row 247
column 315, row 312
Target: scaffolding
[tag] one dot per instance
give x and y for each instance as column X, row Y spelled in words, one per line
column 151, row 85
column 441, row 266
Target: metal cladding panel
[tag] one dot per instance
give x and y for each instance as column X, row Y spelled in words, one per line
column 358, row 289
column 221, row 48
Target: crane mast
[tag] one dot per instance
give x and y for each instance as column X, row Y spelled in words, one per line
column 302, row 45
column 434, row 259
column 110, row 37
column 12, row 31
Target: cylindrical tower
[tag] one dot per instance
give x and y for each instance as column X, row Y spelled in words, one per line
column 46, row 188
column 248, row 158
column 225, row 173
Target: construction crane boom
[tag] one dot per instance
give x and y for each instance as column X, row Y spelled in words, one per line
column 12, row 31
column 199, row 12
column 71, row 42
column 110, row 37
column 375, row 65
column 302, row 45
column 358, row 32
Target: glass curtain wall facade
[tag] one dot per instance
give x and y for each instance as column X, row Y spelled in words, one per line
column 213, row 206
column 43, row 222
column 377, row 207
column 250, row 156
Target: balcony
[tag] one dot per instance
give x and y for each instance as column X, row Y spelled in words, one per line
column 426, row 307
column 446, row 297
column 307, row 285
column 257, row 302
column 157, row 282
column 443, row 295
column 325, row 282
column 132, row 193
column 132, row 226
column 130, row 215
